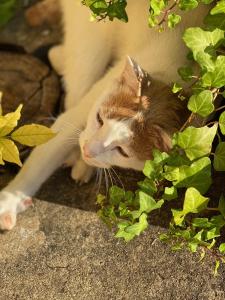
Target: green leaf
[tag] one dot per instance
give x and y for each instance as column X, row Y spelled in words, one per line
column 222, row 122
column 219, row 8
column 147, row 203
column 11, row 120
column 219, row 157
column 198, row 39
column 176, row 88
column 215, row 21
column 100, row 199
column 212, row 233
column 116, row 194
column 157, row 6
column 215, row 78
column 178, row 216
column 221, row 206
column 193, row 246
column 202, row 103
column 201, row 223
column 185, row 73
column 139, row 227
column 222, row 248
column 196, row 142
column 148, row 186
column 188, row 4
column 128, row 231
column 32, row 135
column 121, row 233
column 194, row 202
column 173, row 20
column 170, row 193
column 10, row 152
column 197, row 175
column 117, row 10
column 7, row 9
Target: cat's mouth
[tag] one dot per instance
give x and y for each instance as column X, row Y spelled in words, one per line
column 95, row 163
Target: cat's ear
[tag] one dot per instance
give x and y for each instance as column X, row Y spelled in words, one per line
column 134, row 76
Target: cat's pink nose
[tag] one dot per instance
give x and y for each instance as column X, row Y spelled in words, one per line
column 86, row 151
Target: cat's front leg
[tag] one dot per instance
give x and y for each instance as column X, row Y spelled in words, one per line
column 42, row 162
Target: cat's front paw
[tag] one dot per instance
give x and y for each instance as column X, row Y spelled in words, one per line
column 10, row 205
column 81, row 172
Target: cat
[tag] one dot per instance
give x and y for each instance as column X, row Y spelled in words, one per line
column 120, row 108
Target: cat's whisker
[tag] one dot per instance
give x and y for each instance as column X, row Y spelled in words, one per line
column 99, row 179
column 106, row 181
column 110, row 176
column 120, row 181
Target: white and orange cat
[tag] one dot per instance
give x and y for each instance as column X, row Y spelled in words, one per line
column 123, row 106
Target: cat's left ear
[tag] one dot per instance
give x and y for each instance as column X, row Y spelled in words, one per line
column 135, row 77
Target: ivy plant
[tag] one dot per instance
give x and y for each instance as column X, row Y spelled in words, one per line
column 185, row 173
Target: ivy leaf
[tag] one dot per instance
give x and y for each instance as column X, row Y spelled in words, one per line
column 128, row 231
column 194, row 202
column 201, row 223
column 215, row 78
column 197, row 175
column 32, row 135
column 215, row 21
column 173, row 20
column 219, row 157
column 148, row 186
column 116, row 194
column 193, row 246
column 153, row 168
column 219, row 8
column 11, row 120
column 176, row 88
column 196, row 142
column 137, row 228
column 222, row 248
column 185, row 73
column 198, row 39
column 121, row 233
column 10, row 152
column 222, row 122
column 188, row 4
column 147, row 203
column 117, row 10
column 201, row 103
column 157, row 6
column 221, row 206
column 170, row 193
column 212, row 233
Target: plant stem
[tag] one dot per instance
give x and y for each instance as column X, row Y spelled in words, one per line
column 167, row 11
column 187, row 122
column 219, row 108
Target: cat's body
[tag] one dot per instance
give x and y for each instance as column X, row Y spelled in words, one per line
column 121, row 120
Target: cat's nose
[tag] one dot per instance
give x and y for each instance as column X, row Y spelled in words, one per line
column 86, row 151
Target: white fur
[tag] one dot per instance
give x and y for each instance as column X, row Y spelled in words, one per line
column 87, row 51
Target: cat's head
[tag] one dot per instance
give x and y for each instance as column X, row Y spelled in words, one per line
column 138, row 115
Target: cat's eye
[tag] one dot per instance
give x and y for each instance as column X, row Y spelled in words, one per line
column 121, row 151
column 99, row 119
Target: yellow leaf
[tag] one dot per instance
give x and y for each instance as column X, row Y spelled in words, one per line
column 32, row 135
column 1, row 160
column 10, row 152
column 11, row 120
column 0, row 103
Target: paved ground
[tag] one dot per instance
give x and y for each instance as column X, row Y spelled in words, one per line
column 60, row 250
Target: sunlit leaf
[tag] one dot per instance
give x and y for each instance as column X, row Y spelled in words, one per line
column 32, row 135
column 10, row 152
